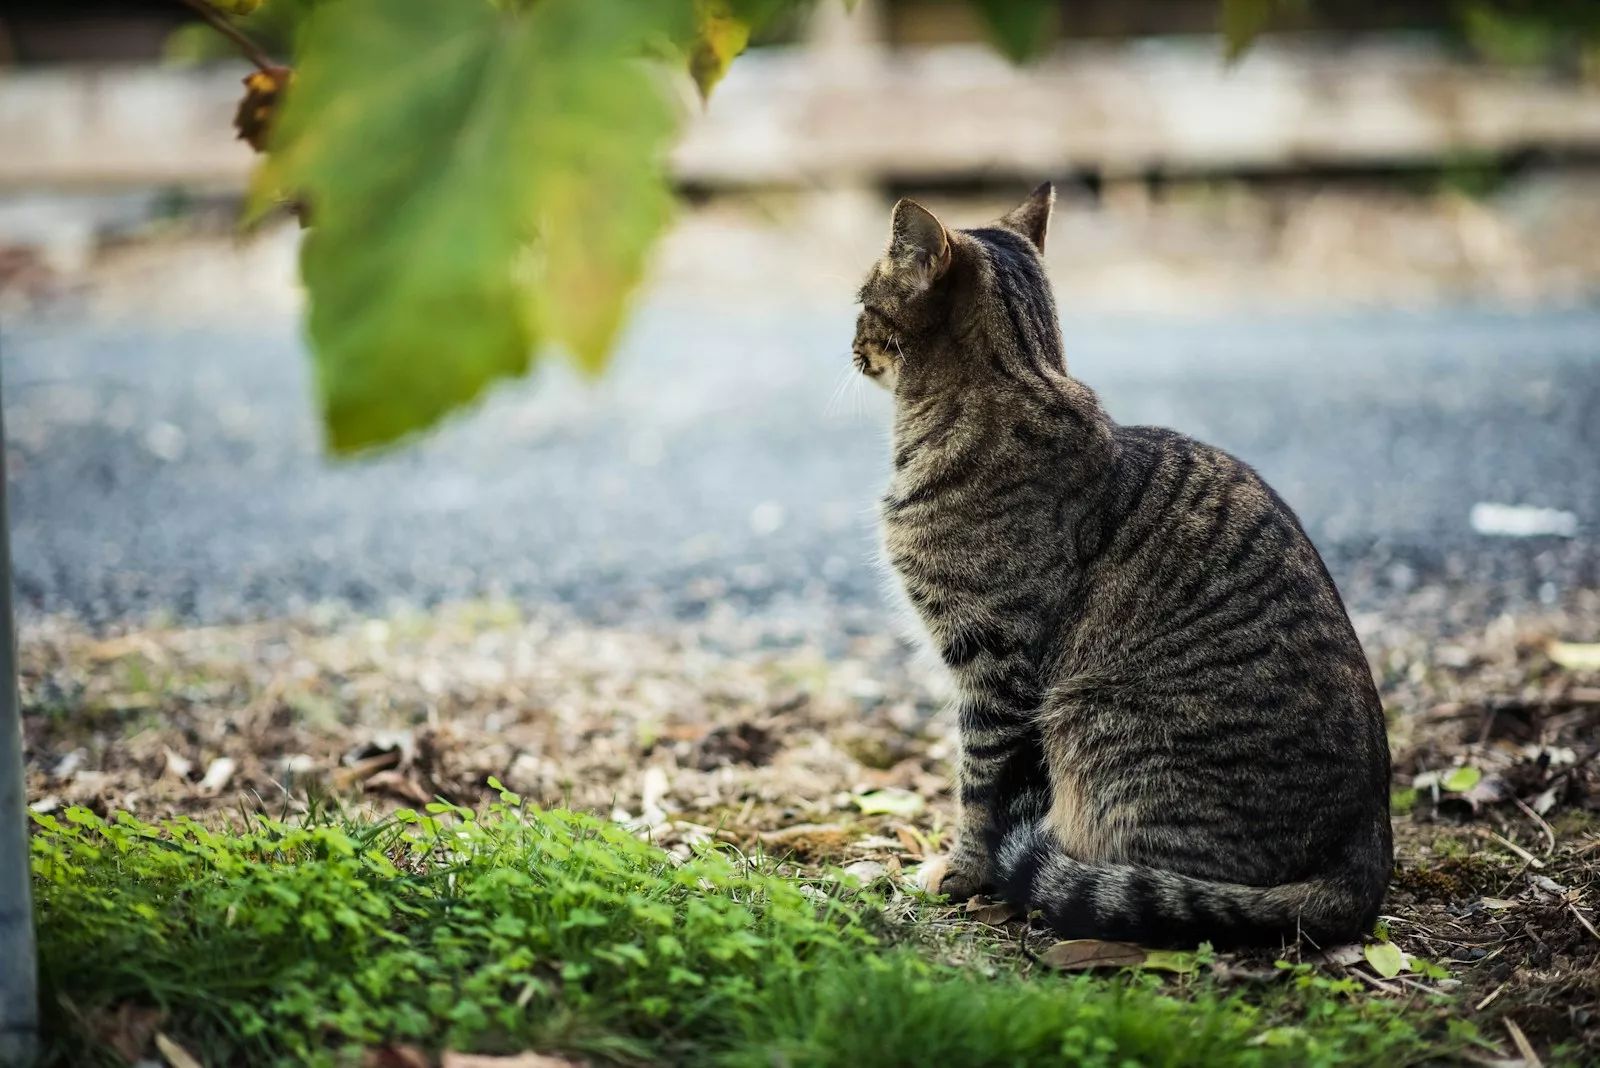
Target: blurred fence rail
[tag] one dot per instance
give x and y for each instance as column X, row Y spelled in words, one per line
column 868, row 113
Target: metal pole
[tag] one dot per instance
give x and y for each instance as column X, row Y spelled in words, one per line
column 19, row 973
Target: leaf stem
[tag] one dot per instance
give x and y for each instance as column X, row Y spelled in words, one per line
column 220, row 23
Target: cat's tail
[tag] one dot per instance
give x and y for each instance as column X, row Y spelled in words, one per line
column 1129, row 903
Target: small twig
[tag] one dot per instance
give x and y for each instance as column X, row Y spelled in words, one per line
column 220, row 23
column 1484, row 832
column 1520, row 1040
column 1587, row 926
column 1480, row 1006
column 1374, row 980
column 1528, row 811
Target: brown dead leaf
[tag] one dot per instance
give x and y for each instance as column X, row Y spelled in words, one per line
column 915, row 844
column 393, row 1056
column 361, row 770
column 1083, row 954
column 400, row 785
column 930, row 876
column 814, row 842
column 263, row 90
column 993, row 913
column 176, row 1055
column 515, row 1060
column 128, row 1029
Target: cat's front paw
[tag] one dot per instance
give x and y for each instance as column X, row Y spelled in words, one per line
column 963, row 876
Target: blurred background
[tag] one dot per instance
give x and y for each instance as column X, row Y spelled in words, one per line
column 1365, row 258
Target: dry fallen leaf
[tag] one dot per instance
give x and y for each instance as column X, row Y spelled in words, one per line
column 1084, row 954
column 129, row 1029
column 218, row 773
column 396, row 1056
column 515, row 1060
column 914, row 843
column 176, row 1055
column 993, row 913
column 361, row 770
column 1081, row 954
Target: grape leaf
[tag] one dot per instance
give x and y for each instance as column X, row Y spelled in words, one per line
column 1243, row 21
column 481, row 179
column 719, row 36
column 1020, row 27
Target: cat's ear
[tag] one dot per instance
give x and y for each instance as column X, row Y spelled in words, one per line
column 918, row 239
column 1031, row 218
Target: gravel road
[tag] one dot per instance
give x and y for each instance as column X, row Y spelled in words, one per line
column 729, row 459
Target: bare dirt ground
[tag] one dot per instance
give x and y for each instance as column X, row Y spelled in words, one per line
column 717, row 731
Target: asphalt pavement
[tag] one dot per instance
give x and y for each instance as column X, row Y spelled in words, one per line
column 730, row 459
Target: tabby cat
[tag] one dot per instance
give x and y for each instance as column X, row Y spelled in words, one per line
column 1168, row 730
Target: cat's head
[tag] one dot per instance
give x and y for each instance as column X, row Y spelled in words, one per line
column 931, row 276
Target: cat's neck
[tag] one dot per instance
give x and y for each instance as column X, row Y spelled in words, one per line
column 982, row 422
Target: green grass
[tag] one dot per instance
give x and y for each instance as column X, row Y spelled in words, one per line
column 517, row 928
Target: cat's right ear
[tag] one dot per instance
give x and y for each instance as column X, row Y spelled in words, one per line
column 918, row 240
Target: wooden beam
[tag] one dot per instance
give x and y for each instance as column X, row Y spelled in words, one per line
column 797, row 116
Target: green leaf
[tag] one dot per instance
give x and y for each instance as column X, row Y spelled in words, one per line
column 1020, row 27
column 1385, row 958
column 480, row 179
column 1243, row 21
column 1462, row 779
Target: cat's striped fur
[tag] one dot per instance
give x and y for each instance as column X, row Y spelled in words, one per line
column 1168, row 730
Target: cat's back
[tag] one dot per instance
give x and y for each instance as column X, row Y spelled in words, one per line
column 1203, row 572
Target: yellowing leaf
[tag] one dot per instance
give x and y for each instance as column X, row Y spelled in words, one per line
column 719, row 36
column 1575, row 656
column 1385, row 959
column 1462, row 779
column 1020, row 27
column 1243, row 21
column 479, row 179
column 1169, row 960
column 890, row 802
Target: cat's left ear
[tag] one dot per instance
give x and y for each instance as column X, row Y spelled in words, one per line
column 918, row 241
column 1031, row 218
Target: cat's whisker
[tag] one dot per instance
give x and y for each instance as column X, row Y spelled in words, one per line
column 837, row 396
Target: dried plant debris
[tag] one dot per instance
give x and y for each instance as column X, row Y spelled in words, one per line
column 838, row 767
